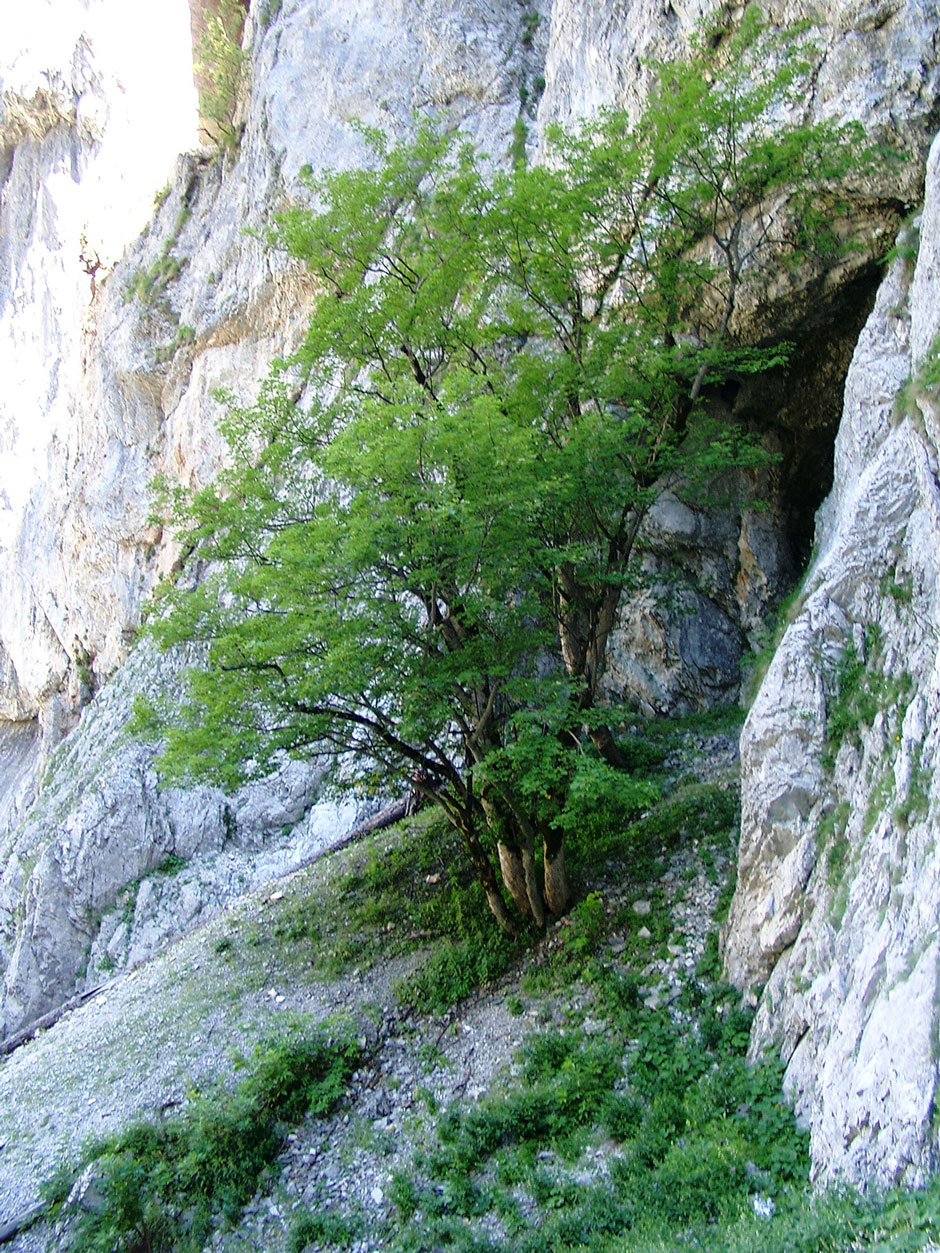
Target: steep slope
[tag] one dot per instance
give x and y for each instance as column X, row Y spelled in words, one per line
column 137, row 351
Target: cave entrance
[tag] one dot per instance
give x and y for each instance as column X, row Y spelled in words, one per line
column 800, row 406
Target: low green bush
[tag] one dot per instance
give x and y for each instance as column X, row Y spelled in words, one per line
column 323, row 1227
column 699, row 1133
column 166, row 1185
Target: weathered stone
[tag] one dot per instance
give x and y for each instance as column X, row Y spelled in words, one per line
column 104, row 388
column 839, row 873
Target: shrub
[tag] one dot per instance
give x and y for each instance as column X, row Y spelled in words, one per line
column 220, row 67
column 164, row 1184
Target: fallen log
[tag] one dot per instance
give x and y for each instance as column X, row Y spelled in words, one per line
column 384, row 818
column 15, row 1225
column 47, row 1020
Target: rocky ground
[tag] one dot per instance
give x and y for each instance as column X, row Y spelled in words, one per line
column 423, row 1065
column 182, row 1018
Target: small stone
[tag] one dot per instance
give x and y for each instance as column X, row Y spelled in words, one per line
column 642, row 907
column 644, row 933
column 377, row 1195
column 763, row 1206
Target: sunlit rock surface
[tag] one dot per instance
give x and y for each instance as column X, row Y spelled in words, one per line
column 839, row 875
column 112, row 349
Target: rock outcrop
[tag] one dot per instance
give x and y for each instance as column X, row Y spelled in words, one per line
column 839, row 874
column 110, row 366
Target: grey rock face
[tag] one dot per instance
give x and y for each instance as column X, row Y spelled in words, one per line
column 108, row 866
column 838, row 879
column 116, row 364
column 707, row 580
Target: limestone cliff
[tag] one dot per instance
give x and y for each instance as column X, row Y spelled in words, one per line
column 116, row 360
column 839, row 872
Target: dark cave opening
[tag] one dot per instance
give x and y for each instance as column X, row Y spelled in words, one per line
column 800, row 405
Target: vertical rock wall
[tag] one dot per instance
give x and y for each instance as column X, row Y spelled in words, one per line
column 82, row 151
column 839, row 877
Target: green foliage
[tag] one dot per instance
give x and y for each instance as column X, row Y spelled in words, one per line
column 455, row 968
column 899, row 586
column 185, row 335
column 930, row 367
column 907, row 245
column 414, row 890
column 150, row 285
column 700, row 1133
column 221, row 65
column 697, row 810
column 421, row 563
column 916, row 803
column 831, row 1222
column 84, row 667
column 171, row 865
column 833, row 840
column 270, row 11
column 323, row 1227
column 164, row 1185
column 530, row 24
column 923, row 387
column 565, row 1082
column 856, row 701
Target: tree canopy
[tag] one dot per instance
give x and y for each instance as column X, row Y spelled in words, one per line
column 432, row 510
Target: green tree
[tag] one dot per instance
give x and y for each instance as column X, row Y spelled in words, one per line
column 220, row 65
column 433, row 509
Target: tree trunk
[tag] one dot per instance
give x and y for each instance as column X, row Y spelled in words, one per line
column 603, row 740
column 494, row 898
column 557, row 891
column 482, row 864
column 513, row 871
column 517, row 865
column 516, row 856
column 15, row 1225
column 532, row 883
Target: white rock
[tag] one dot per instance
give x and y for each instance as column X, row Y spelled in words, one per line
column 839, row 874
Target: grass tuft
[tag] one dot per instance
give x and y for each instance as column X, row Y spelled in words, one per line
column 164, row 1186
